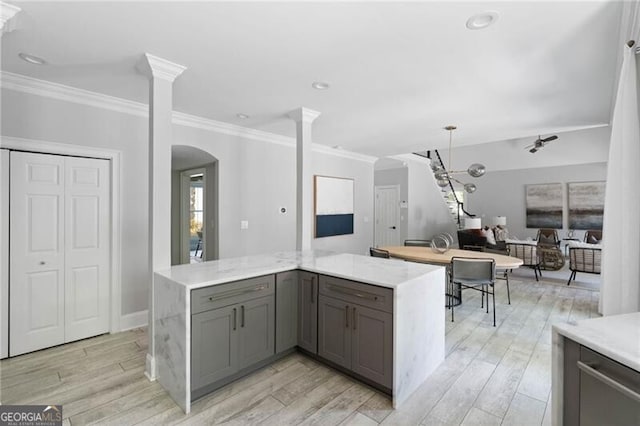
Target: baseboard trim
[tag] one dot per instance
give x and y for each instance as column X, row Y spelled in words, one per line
column 134, row 320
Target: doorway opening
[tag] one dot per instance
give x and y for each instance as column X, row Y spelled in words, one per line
column 194, row 205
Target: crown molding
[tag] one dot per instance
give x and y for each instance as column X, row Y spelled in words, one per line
column 304, row 115
column 61, row 92
column 47, row 89
column 153, row 66
column 7, row 12
column 189, row 120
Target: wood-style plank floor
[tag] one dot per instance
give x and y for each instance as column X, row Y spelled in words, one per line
column 491, row 375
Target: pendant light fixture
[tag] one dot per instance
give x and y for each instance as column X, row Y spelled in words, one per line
column 443, row 176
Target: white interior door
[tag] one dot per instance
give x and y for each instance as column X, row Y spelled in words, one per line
column 387, row 211
column 36, row 276
column 87, row 247
column 59, row 250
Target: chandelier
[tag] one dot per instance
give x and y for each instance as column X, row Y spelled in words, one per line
column 444, row 176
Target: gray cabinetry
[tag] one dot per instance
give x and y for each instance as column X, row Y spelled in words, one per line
column 232, row 328
column 334, row 340
column 597, row 389
column 355, row 327
column 308, row 311
column 214, row 346
column 286, row 310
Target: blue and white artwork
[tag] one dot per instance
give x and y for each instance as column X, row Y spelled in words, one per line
column 333, row 206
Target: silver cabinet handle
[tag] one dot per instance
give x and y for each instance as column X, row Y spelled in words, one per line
column 354, row 317
column 236, row 293
column 242, row 316
column 346, row 315
column 353, row 293
column 234, row 318
column 608, row 381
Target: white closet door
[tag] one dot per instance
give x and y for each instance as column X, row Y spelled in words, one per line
column 87, row 242
column 36, row 282
column 4, row 253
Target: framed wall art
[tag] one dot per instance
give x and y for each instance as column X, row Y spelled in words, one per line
column 544, row 205
column 586, row 205
column 333, row 206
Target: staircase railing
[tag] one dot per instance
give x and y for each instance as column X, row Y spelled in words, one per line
column 459, row 204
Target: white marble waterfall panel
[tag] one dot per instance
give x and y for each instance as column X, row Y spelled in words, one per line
column 418, row 332
column 172, row 339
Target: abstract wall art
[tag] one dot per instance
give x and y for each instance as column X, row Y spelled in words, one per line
column 333, row 206
column 586, row 205
column 544, row 205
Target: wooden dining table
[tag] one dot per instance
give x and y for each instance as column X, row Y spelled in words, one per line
column 428, row 255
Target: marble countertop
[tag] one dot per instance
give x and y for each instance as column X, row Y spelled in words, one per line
column 382, row 272
column 616, row 336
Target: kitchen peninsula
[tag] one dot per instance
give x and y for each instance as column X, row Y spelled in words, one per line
column 379, row 320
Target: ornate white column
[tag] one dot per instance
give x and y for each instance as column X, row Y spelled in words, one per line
column 304, row 117
column 162, row 74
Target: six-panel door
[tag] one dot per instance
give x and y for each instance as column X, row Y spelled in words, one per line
column 59, row 250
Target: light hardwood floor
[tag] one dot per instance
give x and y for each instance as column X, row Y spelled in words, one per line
column 491, row 375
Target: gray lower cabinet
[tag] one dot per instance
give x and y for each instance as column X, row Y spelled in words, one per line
column 598, row 390
column 286, row 310
column 308, row 311
column 355, row 336
column 232, row 328
column 214, row 346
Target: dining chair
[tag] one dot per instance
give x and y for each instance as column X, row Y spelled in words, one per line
column 477, row 274
column 548, row 237
column 376, row 252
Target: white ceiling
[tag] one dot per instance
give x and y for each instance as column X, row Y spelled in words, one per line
column 399, row 72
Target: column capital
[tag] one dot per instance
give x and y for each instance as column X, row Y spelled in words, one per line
column 7, row 13
column 304, row 115
column 155, row 67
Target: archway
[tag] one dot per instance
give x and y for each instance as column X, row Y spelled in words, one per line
column 194, row 205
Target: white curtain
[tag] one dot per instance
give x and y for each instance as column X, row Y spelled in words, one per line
column 620, row 291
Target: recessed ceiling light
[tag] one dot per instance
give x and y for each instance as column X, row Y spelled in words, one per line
column 32, row 59
column 482, row 20
column 320, row 85
column 242, row 116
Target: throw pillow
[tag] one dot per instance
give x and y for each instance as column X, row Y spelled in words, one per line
column 488, row 234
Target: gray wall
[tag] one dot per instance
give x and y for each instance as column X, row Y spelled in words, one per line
column 256, row 178
column 503, row 193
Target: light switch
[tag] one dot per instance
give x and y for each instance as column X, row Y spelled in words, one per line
column 244, row 224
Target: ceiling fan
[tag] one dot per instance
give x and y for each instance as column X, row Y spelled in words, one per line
column 539, row 143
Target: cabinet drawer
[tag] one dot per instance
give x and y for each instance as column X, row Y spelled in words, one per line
column 204, row 299
column 363, row 294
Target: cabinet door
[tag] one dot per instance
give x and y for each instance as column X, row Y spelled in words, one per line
column 214, row 345
column 286, row 310
column 256, row 330
column 372, row 344
column 308, row 311
column 334, row 333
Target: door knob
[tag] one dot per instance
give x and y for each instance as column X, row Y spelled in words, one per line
column 392, row 227
column 42, row 262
